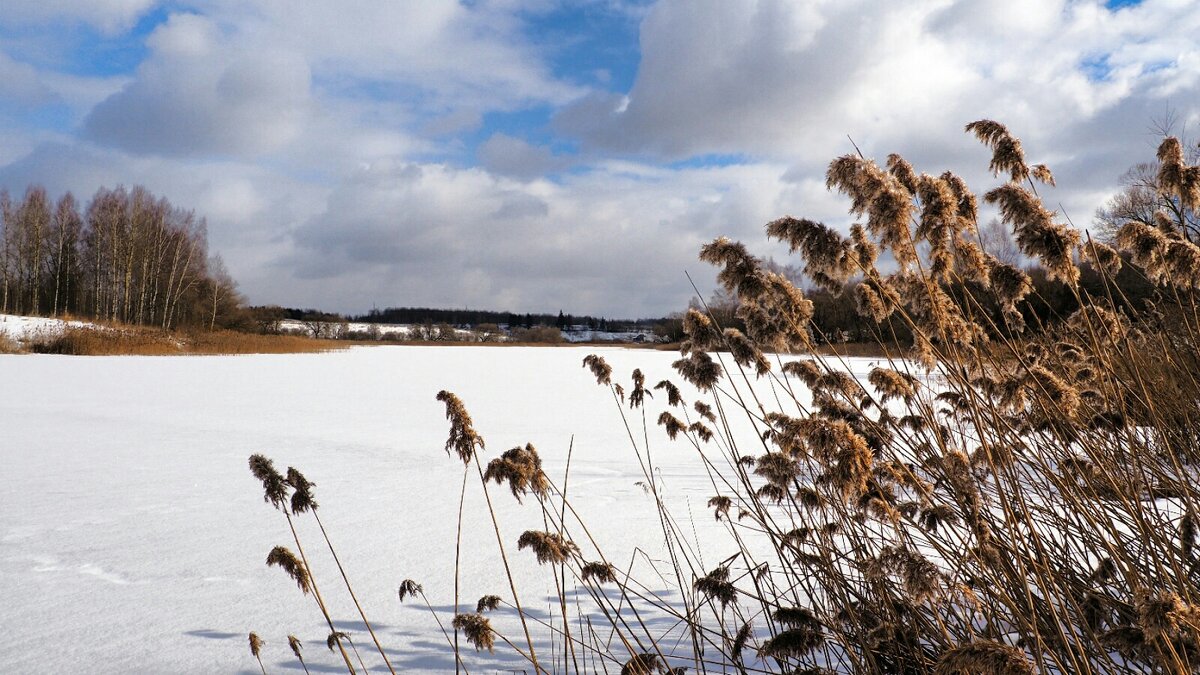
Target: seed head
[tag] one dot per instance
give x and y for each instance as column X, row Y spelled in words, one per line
column 296, row 645
column 599, row 368
column 827, row 256
column 674, row 398
column 720, row 505
column 336, row 636
column 1007, row 155
column 477, row 629
column 716, row 586
column 550, row 547
column 463, row 440
column 700, row 370
column 639, row 393
column 740, row 640
column 642, row 664
column 487, row 603
column 274, row 486
column 893, row 384
column 287, row 561
column 408, row 587
column 256, row 644
column 602, row 572
column 302, row 497
column 521, row 468
column 792, row 643
column 671, row 423
column 702, row 432
column 984, row 657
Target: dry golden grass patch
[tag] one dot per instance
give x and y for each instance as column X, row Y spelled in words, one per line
column 128, row 341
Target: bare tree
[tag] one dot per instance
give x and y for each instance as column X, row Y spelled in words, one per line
column 220, row 287
column 1142, row 194
column 65, row 232
column 997, row 239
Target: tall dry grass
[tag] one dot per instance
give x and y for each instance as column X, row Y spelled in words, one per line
column 986, row 503
column 119, row 340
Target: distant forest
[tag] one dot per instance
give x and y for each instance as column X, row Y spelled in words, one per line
column 474, row 317
column 125, row 256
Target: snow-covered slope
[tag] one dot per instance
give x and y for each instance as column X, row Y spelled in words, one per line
column 25, row 328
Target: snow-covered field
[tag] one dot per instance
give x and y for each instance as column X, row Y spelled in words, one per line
column 133, row 537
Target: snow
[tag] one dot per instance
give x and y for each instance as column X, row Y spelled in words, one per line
column 26, row 328
column 133, row 537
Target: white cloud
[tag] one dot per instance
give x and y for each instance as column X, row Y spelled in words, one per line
column 788, row 79
column 616, row 240
column 508, row 156
column 109, row 16
column 197, row 96
column 322, row 144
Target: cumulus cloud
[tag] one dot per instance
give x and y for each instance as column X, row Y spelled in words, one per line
column 789, row 79
column 508, row 156
column 349, row 154
column 195, row 96
column 109, row 16
column 616, row 240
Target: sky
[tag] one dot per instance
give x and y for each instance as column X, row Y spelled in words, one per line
column 538, row 155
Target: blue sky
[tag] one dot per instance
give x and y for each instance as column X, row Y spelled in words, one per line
column 537, row 155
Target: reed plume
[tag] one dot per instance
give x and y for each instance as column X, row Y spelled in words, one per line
column 1007, row 155
column 274, row 485
column 463, row 440
column 826, row 254
column 287, row 561
column 792, row 643
column 599, row 368
column 521, row 468
column 674, row 397
column 646, row 663
column 701, row 430
column 296, row 645
column 408, row 588
column 1038, row 235
column 700, row 370
column 716, row 586
column 477, row 629
column 602, row 572
column 739, row 642
column 985, row 657
column 256, row 644
column 671, row 424
column 638, row 395
column 879, row 196
column 334, row 638
column 550, row 547
column 302, row 497
column 1175, row 177
column 487, row 603
column 720, row 506
column 893, row 384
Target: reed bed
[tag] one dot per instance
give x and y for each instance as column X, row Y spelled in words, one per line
column 999, row 498
column 125, row 340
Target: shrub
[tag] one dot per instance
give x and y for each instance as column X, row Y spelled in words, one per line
column 538, row 334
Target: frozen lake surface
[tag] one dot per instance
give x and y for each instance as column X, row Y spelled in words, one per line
column 133, row 537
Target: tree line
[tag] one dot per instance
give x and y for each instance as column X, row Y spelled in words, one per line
column 125, row 256
column 475, row 317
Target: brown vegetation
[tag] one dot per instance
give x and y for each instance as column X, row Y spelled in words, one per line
column 134, row 340
column 1013, row 496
